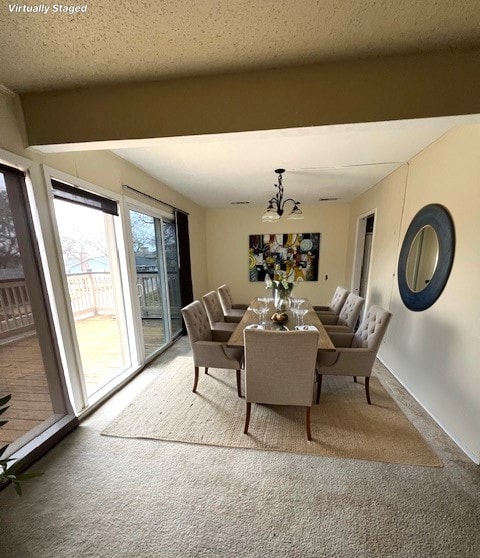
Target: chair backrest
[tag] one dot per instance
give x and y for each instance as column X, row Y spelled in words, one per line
column 351, row 311
column 372, row 329
column 196, row 322
column 225, row 297
column 338, row 299
column 280, row 366
column 213, row 308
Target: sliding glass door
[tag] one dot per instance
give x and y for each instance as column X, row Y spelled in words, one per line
column 173, row 277
column 154, row 246
column 30, row 369
column 86, row 225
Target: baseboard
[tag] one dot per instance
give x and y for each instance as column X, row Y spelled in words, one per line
column 470, row 454
column 36, row 448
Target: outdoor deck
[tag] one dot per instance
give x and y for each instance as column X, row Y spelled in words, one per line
column 22, row 373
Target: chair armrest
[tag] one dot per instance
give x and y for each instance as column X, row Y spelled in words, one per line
column 337, row 329
column 216, row 355
column 321, row 308
column 221, row 335
column 359, row 360
column 239, row 306
column 341, row 339
column 348, row 362
column 328, row 319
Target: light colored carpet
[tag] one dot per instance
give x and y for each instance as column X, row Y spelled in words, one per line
column 106, row 497
column 343, row 425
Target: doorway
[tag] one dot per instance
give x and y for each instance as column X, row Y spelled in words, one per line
column 363, row 254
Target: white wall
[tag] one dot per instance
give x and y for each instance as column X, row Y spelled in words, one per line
column 435, row 353
column 227, row 232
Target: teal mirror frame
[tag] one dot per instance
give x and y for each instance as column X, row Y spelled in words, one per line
column 438, row 217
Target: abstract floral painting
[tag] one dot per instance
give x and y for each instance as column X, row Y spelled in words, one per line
column 295, row 253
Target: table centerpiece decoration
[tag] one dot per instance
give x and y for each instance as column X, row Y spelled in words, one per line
column 281, row 290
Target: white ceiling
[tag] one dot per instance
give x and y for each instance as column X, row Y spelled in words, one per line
column 339, row 161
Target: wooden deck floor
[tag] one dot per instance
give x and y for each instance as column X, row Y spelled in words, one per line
column 22, row 373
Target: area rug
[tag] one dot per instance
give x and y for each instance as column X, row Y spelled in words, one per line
column 343, row 425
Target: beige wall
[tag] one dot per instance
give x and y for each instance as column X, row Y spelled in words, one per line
column 435, row 353
column 227, row 248
column 363, row 90
column 386, row 201
column 13, row 135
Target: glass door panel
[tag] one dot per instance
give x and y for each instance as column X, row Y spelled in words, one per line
column 22, row 366
column 148, row 252
column 173, row 281
column 91, row 264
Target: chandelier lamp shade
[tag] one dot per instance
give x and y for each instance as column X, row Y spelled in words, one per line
column 276, row 205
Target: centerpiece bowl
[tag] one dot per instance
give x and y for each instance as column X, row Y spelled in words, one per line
column 280, row 317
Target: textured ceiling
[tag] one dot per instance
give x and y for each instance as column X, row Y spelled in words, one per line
column 120, row 40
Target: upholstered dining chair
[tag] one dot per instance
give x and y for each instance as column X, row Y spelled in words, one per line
column 232, row 312
column 348, row 317
column 335, row 306
column 207, row 350
column 280, row 369
column 216, row 317
column 355, row 353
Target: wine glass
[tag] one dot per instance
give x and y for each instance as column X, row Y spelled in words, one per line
column 263, row 314
column 258, row 311
column 295, row 303
column 301, row 313
column 295, row 313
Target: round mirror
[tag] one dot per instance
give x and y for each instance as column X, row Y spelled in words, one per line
column 422, row 259
column 426, row 257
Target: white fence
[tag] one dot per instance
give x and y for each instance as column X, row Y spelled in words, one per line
column 15, row 311
column 91, row 294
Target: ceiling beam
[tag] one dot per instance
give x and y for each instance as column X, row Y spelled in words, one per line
column 366, row 90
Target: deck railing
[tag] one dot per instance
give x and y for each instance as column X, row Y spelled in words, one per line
column 15, row 310
column 91, row 294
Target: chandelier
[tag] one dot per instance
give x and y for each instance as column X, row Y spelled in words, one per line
column 276, row 204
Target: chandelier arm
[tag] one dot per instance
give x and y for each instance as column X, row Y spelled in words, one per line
column 292, row 200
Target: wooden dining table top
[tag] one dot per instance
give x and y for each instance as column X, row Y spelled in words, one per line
column 236, row 339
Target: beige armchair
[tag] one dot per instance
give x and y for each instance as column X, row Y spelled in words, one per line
column 216, row 318
column 348, row 317
column 232, row 312
column 280, row 369
column 338, row 299
column 207, row 350
column 355, row 353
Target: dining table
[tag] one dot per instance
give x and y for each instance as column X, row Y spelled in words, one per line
column 309, row 319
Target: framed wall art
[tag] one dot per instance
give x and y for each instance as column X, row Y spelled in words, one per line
column 296, row 254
